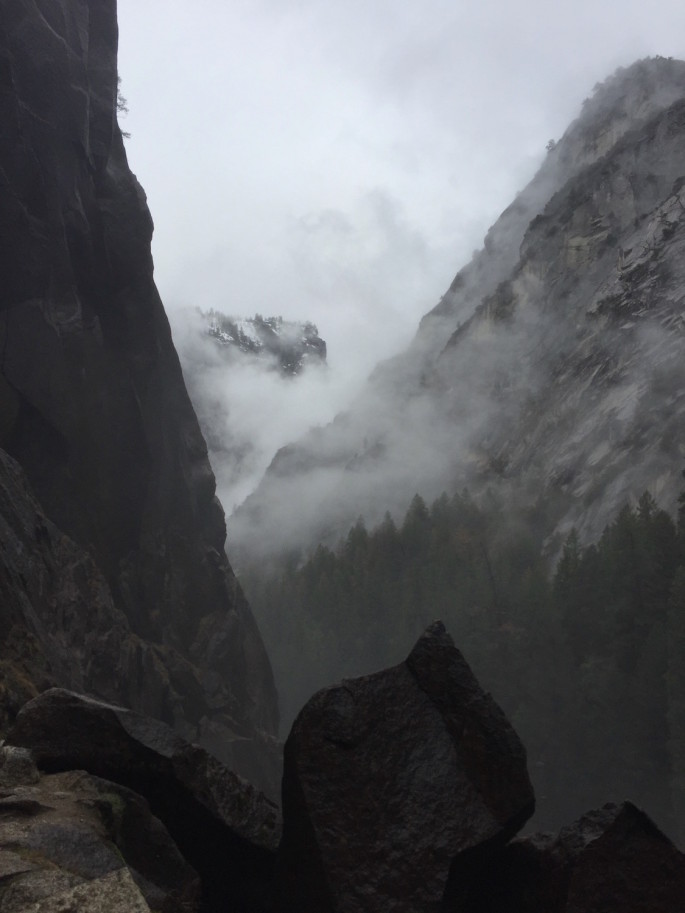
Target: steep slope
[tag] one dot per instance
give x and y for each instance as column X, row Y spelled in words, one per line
column 551, row 366
column 92, row 401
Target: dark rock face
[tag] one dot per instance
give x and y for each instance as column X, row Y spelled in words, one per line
column 59, row 623
column 401, row 793
column 92, row 401
column 389, row 778
column 612, row 859
column 225, row 828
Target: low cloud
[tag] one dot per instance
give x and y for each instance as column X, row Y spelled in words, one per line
column 247, row 408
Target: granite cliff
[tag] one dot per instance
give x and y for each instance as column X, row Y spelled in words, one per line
column 552, row 366
column 113, row 574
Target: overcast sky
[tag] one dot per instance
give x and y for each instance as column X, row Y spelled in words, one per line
column 339, row 160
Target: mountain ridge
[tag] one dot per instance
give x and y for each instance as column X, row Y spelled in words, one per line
column 444, row 413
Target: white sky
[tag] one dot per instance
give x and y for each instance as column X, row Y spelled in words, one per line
column 339, row 160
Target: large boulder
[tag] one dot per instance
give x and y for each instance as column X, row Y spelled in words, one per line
column 93, row 405
column 391, row 779
column 613, row 859
column 224, row 827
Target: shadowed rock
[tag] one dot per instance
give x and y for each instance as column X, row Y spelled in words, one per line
column 613, row 860
column 94, row 408
column 60, row 626
column 224, row 827
column 389, row 778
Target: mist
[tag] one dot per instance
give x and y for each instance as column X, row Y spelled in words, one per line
column 339, row 163
column 376, row 275
column 547, row 381
column 490, row 392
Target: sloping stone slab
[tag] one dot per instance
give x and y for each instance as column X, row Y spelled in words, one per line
column 70, row 828
column 389, row 778
column 224, row 827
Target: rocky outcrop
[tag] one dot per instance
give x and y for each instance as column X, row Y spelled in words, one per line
column 225, row 361
column 224, row 827
column 613, row 858
column 73, row 841
column 288, row 345
column 391, row 779
column 402, row 792
column 94, row 409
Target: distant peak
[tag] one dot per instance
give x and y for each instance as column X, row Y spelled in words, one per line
column 294, row 344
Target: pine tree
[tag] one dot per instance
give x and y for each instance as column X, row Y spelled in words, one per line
column 675, row 683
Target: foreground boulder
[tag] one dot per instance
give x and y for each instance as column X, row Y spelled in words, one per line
column 225, row 829
column 390, row 779
column 613, row 859
column 69, row 840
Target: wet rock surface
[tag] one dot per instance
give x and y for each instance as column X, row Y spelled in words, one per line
column 60, row 624
column 68, row 839
column 223, row 826
column 113, row 893
column 389, row 778
column 403, row 791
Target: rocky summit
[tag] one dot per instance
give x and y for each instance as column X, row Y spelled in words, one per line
column 612, row 858
column 226, row 829
column 289, row 345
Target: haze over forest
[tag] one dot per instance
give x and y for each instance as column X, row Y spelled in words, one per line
column 339, row 163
